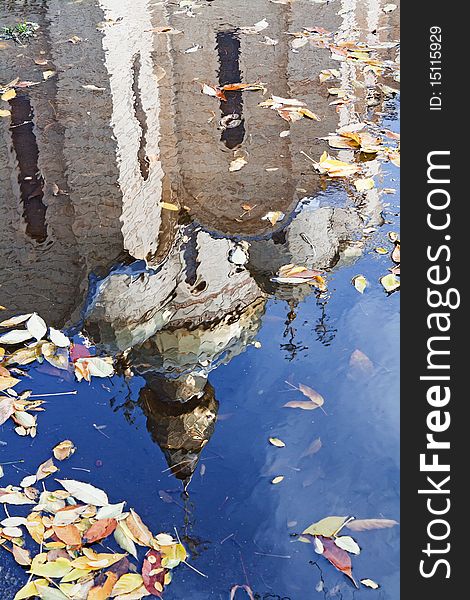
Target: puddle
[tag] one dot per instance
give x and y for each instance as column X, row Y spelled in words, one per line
column 185, row 298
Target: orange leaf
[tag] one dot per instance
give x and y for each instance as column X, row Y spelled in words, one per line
column 100, row 530
column 102, row 591
column 69, row 534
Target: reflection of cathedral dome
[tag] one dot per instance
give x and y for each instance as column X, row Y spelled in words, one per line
column 201, row 349
column 181, row 430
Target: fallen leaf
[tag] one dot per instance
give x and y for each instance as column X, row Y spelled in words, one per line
column 103, row 587
column 368, row 524
column 99, row 530
column 21, row 555
column 15, row 336
column 63, row 450
column 335, row 168
column 361, row 362
column 84, row 492
column 327, row 527
column 5, row 113
column 237, row 164
column 93, row 88
column 276, row 442
column 58, row 338
column 169, row 206
column 9, row 94
column 346, row 542
column 360, row 283
column 338, row 557
column 273, row 217
column 127, row 583
column 396, row 253
column 370, row 584
column 46, row 469
column 138, row 529
column 216, row 92
column 153, row 574
column 390, row 283
column 69, row 534
column 277, row 479
column 48, row 74
column 256, row 28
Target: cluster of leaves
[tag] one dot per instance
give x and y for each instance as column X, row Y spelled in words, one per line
column 390, row 282
column 295, row 274
column 43, row 343
column 65, row 525
column 324, row 535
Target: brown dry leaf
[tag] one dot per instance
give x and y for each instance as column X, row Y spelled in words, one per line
column 138, row 529
column 245, row 87
column 21, row 555
column 69, row 534
column 46, row 469
column 63, row 450
column 368, row 524
column 211, row 90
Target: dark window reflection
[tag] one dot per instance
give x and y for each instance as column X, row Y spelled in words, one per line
column 29, row 177
column 228, row 47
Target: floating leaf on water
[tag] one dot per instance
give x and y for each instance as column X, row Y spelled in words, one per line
column 338, row 557
column 370, row 584
column 36, row 326
column 58, row 338
column 390, row 283
column 381, row 250
column 15, row 320
column 63, row 450
column 21, row 555
column 276, row 442
column 396, row 253
column 99, row 530
column 347, row 543
column 169, row 206
column 277, row 479
column 318, row 545
column 360, row 283
column 127, row 583
column 273, row 216
column 327, row 527
column 393, row 236
column 124, row 541
column 84, row 492
column 16, row 336
column 368, row 524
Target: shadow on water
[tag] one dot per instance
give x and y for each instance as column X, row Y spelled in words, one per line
column 184, row 298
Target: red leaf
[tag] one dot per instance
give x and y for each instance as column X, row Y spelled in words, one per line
column 153, row 573
column 338, row 557
column 79, row 351
column 100, row 530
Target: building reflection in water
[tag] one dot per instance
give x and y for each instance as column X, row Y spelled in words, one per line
column 123, row 127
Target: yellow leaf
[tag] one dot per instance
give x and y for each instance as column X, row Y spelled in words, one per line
column 169, row 206
column 327, row 527
column 362, row 185
column 56, row 568
column 9, row 94
column 127, row 583
column 276, row 442
column 360, row 283
column 277, row 479
column 4, row 113
column 29, row 590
